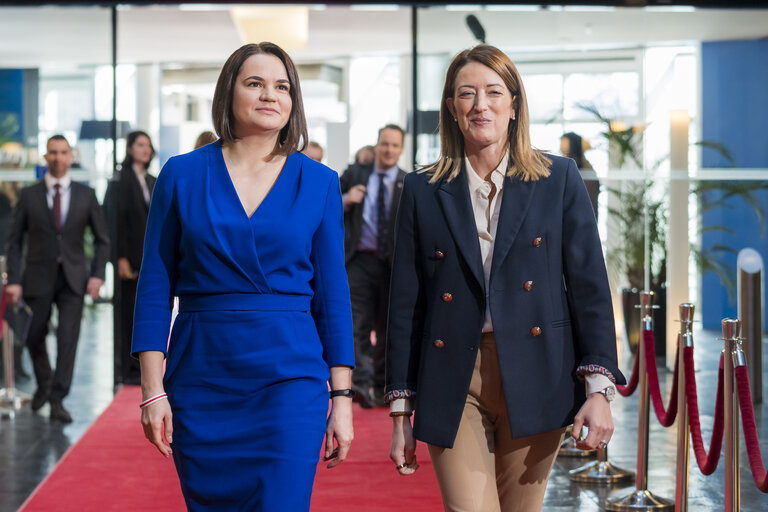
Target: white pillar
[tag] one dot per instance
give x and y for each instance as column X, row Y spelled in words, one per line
column 677, row 232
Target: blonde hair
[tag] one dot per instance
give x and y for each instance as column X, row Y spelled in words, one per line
column 525, row 162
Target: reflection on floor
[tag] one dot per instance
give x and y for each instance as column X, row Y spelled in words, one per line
column 30, row 445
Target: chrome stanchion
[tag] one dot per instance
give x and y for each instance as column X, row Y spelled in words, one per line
column 600, row 471
column 642, row 498
column 732, row 356
column 750, row 286
column 684, row 340
column 11, row 399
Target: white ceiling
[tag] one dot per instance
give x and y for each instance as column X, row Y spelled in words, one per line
column 52, row 37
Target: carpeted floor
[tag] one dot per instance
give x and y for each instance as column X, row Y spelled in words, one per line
column 113, row 468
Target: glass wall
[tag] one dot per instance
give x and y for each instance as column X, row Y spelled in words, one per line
column 613, row 76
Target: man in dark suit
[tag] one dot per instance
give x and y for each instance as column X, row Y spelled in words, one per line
column 52, row 215
column 371, row 194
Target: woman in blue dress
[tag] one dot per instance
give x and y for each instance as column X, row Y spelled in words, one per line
column 248, row 233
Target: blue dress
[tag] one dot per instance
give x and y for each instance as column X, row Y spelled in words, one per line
column 263, row 313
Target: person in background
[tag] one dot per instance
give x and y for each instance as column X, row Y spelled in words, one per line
column 204, row 138
column 500, row 308
column 132, row 191
column 314, row 151
column 371, row 193
column 573, row 146
column 264, row 322
column 48, row 235
column 365, row 155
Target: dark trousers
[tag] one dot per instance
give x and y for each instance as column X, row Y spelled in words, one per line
column 126, row 367
column 369, row 292
column 70, row 307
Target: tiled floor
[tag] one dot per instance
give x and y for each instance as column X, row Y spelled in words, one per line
column 30, row 445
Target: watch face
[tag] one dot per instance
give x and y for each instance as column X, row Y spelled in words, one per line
column 610, row 393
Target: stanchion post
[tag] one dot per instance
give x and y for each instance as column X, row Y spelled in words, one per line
column 750, row 286
column 685, row 339
column 10, row 398
column 732, row 356
column 641, row 498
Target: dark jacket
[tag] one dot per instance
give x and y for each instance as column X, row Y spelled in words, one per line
column 357, row 174
column 46, row 244
column 546, row 234
column 129, row 211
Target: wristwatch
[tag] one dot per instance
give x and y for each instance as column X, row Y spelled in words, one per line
column 609, row 393
column 343, row 392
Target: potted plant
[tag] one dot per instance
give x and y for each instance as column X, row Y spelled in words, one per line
column 634, row 200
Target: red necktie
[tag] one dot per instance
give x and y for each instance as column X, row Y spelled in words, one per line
column 57, row 206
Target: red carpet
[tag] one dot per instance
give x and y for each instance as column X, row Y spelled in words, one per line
column 113, row 468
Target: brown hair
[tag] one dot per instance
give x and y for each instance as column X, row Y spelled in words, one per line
column 130, row 140
column 391, row 127
column 524, row 161
column 293, row 136
column 204, row 139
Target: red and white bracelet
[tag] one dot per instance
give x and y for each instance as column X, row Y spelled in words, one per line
column 152, row 400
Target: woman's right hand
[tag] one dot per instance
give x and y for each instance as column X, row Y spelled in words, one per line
column 124, row 270
column 403, row 449
column 156, row 420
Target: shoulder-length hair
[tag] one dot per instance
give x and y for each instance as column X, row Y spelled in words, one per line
column 524, row 161
column 293, row 136
column 130, row 140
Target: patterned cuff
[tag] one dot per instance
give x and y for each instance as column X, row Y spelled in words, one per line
column 399, row 393
column 586, row 369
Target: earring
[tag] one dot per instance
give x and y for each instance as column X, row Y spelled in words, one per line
column 513, row 115
column 455, row 120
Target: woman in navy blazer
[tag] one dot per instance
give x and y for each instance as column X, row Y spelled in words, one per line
column 500, row 308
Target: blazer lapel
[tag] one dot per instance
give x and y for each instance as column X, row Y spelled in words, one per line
column 395, row 200
column 515, row 201
column 457, row 209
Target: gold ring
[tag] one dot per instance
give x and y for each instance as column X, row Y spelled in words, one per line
column 400, row 466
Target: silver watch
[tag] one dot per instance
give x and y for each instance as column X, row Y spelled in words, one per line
column 609, row 393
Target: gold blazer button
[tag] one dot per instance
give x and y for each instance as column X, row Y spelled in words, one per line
column 536, row 331
column 447, row 297
column 537, row 241
column 439, row 255
column 528, row 286
column 439, row 343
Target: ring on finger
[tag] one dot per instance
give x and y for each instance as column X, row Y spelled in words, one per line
column 401, row 466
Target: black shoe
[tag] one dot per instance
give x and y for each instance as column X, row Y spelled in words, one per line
column 39, row 399
column 59, row 413
column 363, row 397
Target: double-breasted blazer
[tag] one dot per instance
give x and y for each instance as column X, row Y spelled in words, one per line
column 358, row 174
column 548, row 292
column 47, row 246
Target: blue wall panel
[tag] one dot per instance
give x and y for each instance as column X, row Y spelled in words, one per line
column 735, row 114
column 12, row 97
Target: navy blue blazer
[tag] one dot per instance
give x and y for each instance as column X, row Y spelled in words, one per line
column 562, row 320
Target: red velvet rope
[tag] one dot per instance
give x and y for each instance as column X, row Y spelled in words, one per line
column 632, row 384
column 750, row 429
column 707, row 461
column 666, row 417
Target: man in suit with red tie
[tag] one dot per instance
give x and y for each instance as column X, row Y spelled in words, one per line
column 371, row 193
column 52, row 216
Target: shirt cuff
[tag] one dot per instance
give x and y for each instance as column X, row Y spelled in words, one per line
column 596, row 382
column 401, row 405
column 589, row 369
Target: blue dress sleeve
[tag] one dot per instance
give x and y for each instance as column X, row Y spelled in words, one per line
column 331, row 307
column 157, row 277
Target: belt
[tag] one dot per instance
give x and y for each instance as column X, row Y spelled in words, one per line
column 244, row 302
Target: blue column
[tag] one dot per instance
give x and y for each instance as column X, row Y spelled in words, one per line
column 735, row 114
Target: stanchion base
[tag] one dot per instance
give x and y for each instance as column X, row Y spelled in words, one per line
column 13, row 398
column 569, row 449
column 603, row 473
column 639, row 500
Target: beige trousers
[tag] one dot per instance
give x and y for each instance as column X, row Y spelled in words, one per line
column 487, row 470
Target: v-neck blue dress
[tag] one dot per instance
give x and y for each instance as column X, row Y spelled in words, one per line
column 263, row 313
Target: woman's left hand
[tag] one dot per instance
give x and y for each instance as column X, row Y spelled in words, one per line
column 596, row 415
column 339, row 428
